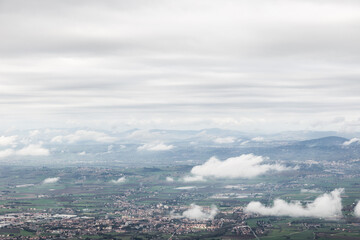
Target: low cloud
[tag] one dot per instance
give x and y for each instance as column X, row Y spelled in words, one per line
column 51, row 180
column 34, row 133
column 326, row 206
column 351, row 141
column 33, row 150
column 244, row 166
column 310, row 191
column 357, row 210
column 170, row 179
column 224, row 140
column 119, row 180
column 194, row 179
column 82, row 153
column 7, row 153
column 83, row 135
column 196, row 212
column 8, row 140
column 257, row 139
column 155, row 147
column 30, row 150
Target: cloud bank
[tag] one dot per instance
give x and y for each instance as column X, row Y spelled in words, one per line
column 84, row 135
column 51, row 180
column 244, row 166
column 326, row 206
column 197, row 213
column 155, row 147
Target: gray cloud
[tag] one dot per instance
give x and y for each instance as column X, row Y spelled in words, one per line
column 255, row 59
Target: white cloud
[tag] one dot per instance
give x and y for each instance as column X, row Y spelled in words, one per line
column 34, row 133
column 119, row 180
column 84, row 135
column 326, row 206
column 7, row 141
column 244, row 142
column 357, row 210
column 351, row 141
column 33, row 150
column 224, row 140
column 83, row 153
column 170, row 179
column 155, row 147
column 244, row 166
column 30, row 150
column 6, row 153
column 257, row 139
column 194, row 179
column 310, row 191
column 185, row 188
column 197, row 213
column 51, row 180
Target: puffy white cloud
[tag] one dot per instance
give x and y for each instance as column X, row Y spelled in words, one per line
column 196, row 212
column 244, row 166
column 33, row 150
column 6, row 153
column 326, row 206
column 159, row 146
column 357, row 210
column 51, row 180
column 8, row 140
column 170, row 179
column 119, row 180
column 351, row 141
column 84, row 135
column 224, row 140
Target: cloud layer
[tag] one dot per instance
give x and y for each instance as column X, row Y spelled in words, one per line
column 244, row 166
column 326, row 206
column 180, row 64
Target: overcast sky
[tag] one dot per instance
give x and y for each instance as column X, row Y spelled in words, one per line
column 248, row 65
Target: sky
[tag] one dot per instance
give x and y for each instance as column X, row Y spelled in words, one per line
column 251, row 65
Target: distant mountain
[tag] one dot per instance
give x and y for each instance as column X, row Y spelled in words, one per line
column 323, row 142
